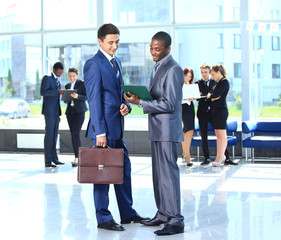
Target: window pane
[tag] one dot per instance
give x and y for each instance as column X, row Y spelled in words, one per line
column 207, row 51
column 126, row 12
column 206, row 11
column 16, row 16
column 70, row 14
column 264, row 9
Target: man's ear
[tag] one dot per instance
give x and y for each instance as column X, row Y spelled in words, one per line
column 100, row 41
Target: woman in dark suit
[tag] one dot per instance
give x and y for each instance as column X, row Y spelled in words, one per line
column 75, row 111
column 188, row 116
column 219, row 111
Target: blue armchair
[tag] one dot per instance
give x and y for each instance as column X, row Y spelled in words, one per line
column 256, row 140
column 212, row 139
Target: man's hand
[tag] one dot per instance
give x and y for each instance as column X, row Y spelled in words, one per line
column 101, row 141
column 61, row 91
column 124, row 110
column 133, row 99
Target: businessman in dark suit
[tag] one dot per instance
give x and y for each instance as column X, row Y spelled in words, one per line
column 75, row 111
column 165, row 133
column 50, row 90
column 103, row 77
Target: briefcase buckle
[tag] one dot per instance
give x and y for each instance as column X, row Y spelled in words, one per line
column 100, row 167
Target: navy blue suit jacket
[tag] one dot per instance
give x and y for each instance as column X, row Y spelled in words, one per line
column 104, row 98
column 79, row 103
column 51, row 96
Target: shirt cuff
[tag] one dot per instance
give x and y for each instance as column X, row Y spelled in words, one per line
column 140, row 104
column 101, row 135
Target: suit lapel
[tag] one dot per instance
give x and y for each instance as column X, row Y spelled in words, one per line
column 160, row 68
column 108, row 65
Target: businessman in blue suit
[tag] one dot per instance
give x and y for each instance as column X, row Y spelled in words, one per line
column 102, row 78
column 51, row 90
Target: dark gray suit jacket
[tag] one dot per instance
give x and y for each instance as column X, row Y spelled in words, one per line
column 165, row 113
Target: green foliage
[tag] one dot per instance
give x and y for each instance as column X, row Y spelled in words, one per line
column 9, row 87
column 279, row 100
column 238, row 101
column 37, row 95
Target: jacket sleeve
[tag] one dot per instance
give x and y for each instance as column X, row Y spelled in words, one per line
column 82, row 96
column 47, row 89
column 221, row 89
column 93, row 84
column 172, row 91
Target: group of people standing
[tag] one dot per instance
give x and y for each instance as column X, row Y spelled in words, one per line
column 75, row 112
column 108, row 105
column 212, row 108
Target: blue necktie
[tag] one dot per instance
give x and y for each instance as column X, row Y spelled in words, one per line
column 116, row 69
column 58, row 83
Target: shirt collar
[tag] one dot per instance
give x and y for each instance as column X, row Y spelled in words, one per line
column 106, row 55
column 54, row 75
column 163, row 59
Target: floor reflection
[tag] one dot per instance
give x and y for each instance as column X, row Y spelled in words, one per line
column 235, row 202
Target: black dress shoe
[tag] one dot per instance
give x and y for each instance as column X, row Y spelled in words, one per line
column 189, row 164
column 152, row 222
column 74, row 164
column 170, row 230
column 111, row 225
column 229, row 162
column 135, row 219
column 58, row 163
column 206, row 162
column 50, row 165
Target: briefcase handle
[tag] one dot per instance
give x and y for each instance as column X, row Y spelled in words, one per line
column 95, row 146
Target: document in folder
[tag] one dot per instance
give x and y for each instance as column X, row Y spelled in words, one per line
column 66, row 95
column 140, row 91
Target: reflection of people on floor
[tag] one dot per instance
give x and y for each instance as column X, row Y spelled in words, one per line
column 213, row 218
column 52, row 213
column 77, row 216
column 188, row 210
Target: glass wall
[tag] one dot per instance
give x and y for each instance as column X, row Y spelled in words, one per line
column 202, row 31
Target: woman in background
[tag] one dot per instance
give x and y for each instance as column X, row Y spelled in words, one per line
column 219, row 111
column 75, row 111
column 188, row 116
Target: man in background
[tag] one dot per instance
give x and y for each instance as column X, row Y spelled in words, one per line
column 51, row 90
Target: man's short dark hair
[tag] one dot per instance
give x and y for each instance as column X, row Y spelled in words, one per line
column 58, row 65
column 106, row 29
column 165, row 37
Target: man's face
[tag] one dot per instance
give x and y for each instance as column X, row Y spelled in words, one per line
column 205, row 73
column 158, row 50
column 58, row 72
column 110, row 43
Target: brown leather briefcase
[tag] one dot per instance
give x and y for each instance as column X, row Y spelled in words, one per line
column 100, row 165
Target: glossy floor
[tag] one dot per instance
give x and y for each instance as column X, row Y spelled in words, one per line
column 232, row 202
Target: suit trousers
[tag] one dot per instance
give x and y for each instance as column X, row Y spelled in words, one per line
column 166, row 182
column 75, row 121
column 203, row 120
column 123, row 191
column 50, row 140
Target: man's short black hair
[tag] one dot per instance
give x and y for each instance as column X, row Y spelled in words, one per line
column 58, row 65
column 106, row 29
column 165, row 37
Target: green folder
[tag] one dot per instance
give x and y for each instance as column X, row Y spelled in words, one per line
column 140, row 91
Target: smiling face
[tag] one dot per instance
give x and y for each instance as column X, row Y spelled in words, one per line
column 158, row 50
column 110, row 43
column 72, row 76
column 58, row 72
column 187, row 78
